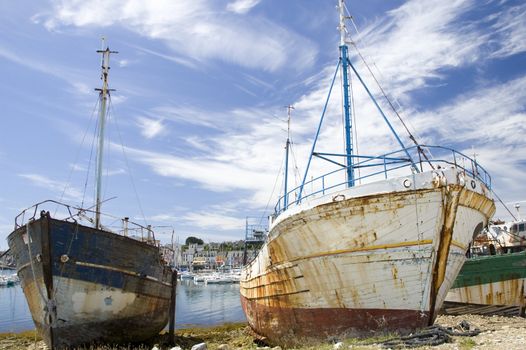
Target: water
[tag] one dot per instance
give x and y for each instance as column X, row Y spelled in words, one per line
column 14, row 313
column 197, row 305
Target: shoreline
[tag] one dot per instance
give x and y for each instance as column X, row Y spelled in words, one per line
column 496, row 331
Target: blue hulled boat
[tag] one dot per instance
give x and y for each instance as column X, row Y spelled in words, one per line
column 87, row 284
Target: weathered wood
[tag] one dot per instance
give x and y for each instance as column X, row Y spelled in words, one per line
column 171, row 328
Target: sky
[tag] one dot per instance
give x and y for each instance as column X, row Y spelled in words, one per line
column 197, row 124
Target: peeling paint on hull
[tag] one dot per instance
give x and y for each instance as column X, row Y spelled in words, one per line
column 329, row 322
column 498, row 280
column 371, row 258
column 109, row 289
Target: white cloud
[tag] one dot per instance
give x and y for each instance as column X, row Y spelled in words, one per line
column 151, row 128
column 56, row 187
column 194, row 29
column 510, row 31
column 210, row 220
column 241, row 6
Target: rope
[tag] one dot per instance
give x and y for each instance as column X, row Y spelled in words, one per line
column 89, row 163
column 273, row 189
column 504, row 205
column 77, row 158
column 431, row 336
column 297, row 176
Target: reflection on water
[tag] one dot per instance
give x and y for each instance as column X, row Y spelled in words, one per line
column 14, row 313
column 200, row 304
column 197, row 304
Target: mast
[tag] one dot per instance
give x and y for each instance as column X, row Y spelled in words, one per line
column 346, row 107
column 104, row 92
column 287, row 148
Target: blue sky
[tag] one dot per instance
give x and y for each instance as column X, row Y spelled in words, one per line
column 201, row 89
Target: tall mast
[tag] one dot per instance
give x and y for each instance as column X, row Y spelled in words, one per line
column 104, row 92
column 287, row 147
column 346, row 106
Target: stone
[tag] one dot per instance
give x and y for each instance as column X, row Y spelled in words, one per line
column 223, row 347
column 200, row 346
column 276, row 348
column 338, row 346
column 176, row 348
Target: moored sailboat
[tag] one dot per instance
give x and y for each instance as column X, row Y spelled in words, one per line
column 344, row 258
column 84, row 283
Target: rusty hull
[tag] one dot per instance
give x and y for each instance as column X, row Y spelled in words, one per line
column 375, row 263
column 497, row 280
column 85, row 285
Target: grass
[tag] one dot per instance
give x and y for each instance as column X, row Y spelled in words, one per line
column 236, row 335
column 466, row 344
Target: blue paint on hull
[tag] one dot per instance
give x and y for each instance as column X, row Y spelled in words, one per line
column 81, row 255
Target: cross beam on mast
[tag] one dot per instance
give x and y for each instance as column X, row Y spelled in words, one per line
column 104, row 92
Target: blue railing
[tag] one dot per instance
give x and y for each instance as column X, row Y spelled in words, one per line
column 380, row 166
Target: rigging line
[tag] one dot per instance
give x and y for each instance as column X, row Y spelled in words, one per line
column 391, row 105
column 77, row 156
column 110, row 119
column 128, row 165
column 355, row 129
column 510, row 234
column 90, row 161
column 297, row 177
column 353, row 43
column 273, row 189
column 504, row 205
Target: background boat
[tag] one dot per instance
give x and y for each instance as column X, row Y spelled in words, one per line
column 493, row 280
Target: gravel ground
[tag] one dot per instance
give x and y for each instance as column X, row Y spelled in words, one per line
column 497, row 332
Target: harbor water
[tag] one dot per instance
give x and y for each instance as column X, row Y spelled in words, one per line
column 198, row 304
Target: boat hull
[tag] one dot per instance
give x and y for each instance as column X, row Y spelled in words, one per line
column 85, row 285
column 497, row 280
column 374, row 258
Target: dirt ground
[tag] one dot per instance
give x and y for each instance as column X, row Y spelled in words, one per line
column 497, row 332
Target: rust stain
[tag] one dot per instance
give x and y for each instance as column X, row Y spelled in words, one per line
column 394, row 270
column 450, row 198
column 270, row 298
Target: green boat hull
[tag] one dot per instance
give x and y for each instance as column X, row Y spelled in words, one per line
column 491, row 280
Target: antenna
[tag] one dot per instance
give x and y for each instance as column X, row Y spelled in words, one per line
column 517, row 207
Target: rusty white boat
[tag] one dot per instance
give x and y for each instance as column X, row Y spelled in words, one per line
column 353, row 253
column 493, row 279
column 85, row 283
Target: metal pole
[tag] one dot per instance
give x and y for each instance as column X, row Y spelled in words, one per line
column 103, row 95
column 346, row 106
column 347, row 117
column 287, row 147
